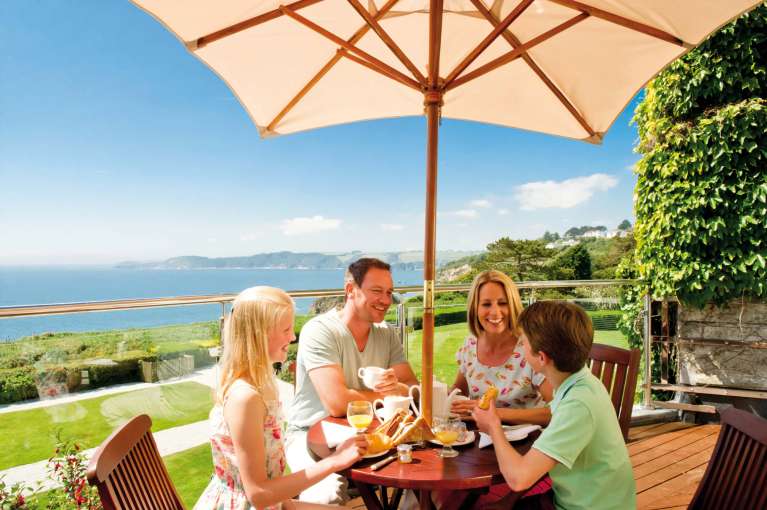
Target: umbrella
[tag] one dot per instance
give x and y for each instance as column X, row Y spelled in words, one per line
column 563, row 67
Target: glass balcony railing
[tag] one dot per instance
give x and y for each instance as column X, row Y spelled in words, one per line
column 80, row 385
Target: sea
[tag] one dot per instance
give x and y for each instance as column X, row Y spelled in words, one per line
column 57, row 284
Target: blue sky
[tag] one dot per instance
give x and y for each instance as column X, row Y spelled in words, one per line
column 117, row 144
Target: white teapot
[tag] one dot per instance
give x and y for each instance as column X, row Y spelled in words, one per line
column 440, row 400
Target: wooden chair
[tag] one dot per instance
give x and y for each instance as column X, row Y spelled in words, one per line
column 736, row 476
column 618, row 370
column 129, row 472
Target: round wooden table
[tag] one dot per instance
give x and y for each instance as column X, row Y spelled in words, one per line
column 474, row 468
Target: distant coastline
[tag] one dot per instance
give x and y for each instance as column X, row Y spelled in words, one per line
column 286, row 260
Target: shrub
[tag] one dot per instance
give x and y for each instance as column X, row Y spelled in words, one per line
column 17, row 384
column 701, row 187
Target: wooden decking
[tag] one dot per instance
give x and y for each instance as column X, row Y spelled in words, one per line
column 669, row 460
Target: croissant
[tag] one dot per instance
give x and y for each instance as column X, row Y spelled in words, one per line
column 490, row 395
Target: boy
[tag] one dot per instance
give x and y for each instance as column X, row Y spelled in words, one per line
column 582, row 449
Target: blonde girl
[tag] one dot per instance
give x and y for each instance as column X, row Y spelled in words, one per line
column 246, row 421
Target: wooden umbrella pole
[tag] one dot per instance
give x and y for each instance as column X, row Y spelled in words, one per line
column 432, row 104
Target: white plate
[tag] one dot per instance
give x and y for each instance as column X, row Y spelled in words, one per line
column 374, row 455
column 469, row 439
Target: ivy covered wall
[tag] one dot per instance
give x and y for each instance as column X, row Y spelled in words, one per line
column 701, row 195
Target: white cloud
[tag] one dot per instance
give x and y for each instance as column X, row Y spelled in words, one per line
column 212, row 240
column 391, row 227
column 503, row 212
column 248, row 237
column 563, row 194
column 313, row 225
column 482, row 204
column 466, row 213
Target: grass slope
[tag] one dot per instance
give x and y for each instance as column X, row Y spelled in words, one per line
column 190, row 471
column 30, row 436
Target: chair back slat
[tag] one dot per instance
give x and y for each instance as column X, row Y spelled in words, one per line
column 618, row 370
column 158, row 482
column 596, row 368
column 129, row 472
column 736, row 476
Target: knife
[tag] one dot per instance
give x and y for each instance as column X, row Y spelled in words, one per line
column 381, row 463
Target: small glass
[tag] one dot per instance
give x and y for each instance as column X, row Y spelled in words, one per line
column 447, row 431
column 359, row 414
column 405, row 453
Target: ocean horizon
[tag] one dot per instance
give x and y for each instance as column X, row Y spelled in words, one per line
column 34, row 285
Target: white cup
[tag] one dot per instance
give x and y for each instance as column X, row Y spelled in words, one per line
column 371, row 375
column 390, row 404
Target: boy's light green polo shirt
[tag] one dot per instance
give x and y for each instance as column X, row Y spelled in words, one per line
column 593, row 470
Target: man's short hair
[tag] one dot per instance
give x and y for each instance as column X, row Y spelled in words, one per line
column 359, row 268
column 560, row 329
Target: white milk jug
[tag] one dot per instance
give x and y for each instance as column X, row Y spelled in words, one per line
column 440, row 400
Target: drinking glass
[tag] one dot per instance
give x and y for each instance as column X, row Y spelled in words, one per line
column 359, row 413
column 447, row 431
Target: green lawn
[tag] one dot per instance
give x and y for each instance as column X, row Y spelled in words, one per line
column 447, row 340
column 191, row 471
column 30, row 436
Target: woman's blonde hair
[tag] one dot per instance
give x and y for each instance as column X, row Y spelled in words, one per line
column 255, row 312
column 512, row 296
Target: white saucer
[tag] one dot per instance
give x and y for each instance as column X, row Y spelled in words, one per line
column 469, row 439
column 374, row 455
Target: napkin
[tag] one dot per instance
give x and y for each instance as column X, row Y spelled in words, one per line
column 512, row 433
column 336, row 434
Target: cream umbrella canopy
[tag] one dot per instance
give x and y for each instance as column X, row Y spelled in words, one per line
column 563, row 67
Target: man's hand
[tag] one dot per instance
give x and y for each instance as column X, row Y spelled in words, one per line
column 487, row 420
column 389, row 384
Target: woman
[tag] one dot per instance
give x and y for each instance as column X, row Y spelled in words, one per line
column 493, row 355
column 246, row 421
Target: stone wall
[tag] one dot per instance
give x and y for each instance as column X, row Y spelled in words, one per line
column 706, row 358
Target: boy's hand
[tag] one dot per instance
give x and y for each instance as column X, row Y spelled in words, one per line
column 487, row 420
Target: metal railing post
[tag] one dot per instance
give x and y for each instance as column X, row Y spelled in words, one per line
column 401, row 319
column 647, row 347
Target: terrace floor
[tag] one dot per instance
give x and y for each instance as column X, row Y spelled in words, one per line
column 669, row 460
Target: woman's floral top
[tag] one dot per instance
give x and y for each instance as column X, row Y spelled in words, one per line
column 516, row 382
column 225, row 491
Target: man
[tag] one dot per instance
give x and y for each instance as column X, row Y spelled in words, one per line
column 332, row 348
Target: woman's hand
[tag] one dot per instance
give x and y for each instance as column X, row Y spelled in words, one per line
column 350, row 451
column 487, row 420
column 463, row 406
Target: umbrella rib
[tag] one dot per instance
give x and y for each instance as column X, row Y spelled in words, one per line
column 624, row 22
column 249, row 23
column 514, row 42
column 373, row 62
column 488, row 40
column 517, row 52
column 378, row 29
column 327, row 67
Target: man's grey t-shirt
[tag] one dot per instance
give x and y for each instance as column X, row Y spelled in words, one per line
column 325, row 340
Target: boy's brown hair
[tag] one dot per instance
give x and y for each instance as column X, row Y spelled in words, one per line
column 560, row 329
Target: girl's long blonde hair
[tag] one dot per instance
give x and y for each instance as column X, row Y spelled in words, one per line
column 255, row 312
